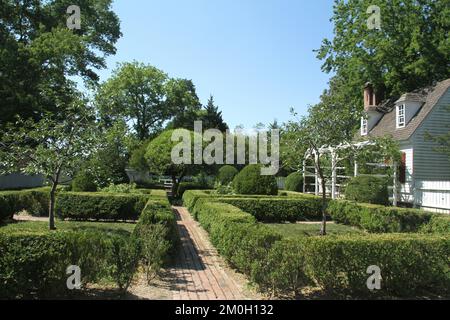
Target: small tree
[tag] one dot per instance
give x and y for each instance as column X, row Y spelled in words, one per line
column 325, row 125
column 49, row 147
column 159, row 157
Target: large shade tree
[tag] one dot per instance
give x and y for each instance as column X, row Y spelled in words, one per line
column 50, row 147
column 38, row 53
column 145, row 96
column 412, row 49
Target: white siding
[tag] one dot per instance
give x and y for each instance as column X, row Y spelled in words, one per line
column 406, row 189
column 432, row 169
column 430, row 165
column 433, row 195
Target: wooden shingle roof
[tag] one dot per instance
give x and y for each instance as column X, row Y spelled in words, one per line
column 387, row 124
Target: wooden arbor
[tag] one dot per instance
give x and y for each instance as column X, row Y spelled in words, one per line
column 336, row 156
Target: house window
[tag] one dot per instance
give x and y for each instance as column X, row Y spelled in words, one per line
column 401, row 116
column 364, row 126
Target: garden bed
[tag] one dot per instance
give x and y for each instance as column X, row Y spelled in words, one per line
column 281, row 262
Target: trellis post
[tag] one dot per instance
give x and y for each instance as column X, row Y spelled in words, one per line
column 333, row 174
column 304, row 176
column 316, row 159
column 395, row 188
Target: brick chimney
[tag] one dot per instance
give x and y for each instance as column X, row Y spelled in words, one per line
column 370, row 98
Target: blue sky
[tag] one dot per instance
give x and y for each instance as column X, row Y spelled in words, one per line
column 255, row 56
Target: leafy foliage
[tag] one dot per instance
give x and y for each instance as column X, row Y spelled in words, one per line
column 367, row 189
column 39, row 54
column 226, row 174
column 294, row 182
column 84, row 182
column 409, row 52
column 250, row 181
column 144, row 95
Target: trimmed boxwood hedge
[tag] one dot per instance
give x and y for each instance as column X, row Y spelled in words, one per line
column 226, row 174
column 35, row 201
column 33, row 264
column 367, row 189
column 411, row 264
column 184, row 186
column 159, row 211
column 280, row 210
column 376, row 218
column 251, row 181
column 294, row 182
column 99, row 206
column 236, row 234
column 437, row 224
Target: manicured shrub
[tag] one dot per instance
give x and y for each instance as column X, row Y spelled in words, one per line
column 160, row 212
column 250, row 181
column 235, row 234
column 34, row 201
column 121, row 188
column 99, row 206
column 410, row 265
column 272, row 210
column 226, row 174
column 294, row 182
column 376, row 218
column 124, row 257
column 184, row 186
column 33, row 264
column 84, row 182
column 437, row 224
column 284, row 270
column 367, row 189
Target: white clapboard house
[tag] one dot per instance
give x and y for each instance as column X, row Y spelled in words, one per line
column 425, row 173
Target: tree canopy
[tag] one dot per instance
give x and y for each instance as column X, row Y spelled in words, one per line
column 146, row 96
column 38, row 53
column 412, row 49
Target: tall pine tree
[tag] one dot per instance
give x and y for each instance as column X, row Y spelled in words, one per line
column 212, row 118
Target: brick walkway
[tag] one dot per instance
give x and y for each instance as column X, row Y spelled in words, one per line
column 200, row 272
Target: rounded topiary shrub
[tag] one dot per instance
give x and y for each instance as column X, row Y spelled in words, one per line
column 226, row 174
column 84, row 182
column 294, row 182
column 250, row 181
column 367, row 189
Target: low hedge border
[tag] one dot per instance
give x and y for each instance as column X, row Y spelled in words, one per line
column 99, row 206
column 191, row 196
column 33, row 264
column 35, row 201
column 299, row 207
column 279, row 210
column 377, row 218
column 411, row 264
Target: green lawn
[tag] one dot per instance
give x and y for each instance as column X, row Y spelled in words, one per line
column 290, row 230
column 37, row 226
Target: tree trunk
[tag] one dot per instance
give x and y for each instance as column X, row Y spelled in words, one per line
column 52, row 207
column 323, row 230
column 174, row 186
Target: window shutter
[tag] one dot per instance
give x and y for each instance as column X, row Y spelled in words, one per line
column 402, row 169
